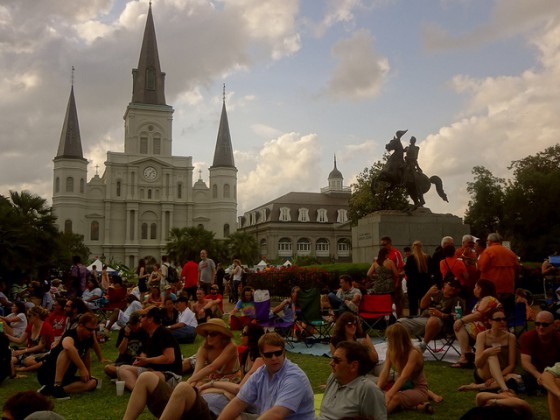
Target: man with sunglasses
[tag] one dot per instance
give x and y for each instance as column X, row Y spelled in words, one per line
column 349, row 391
column 539, row 348
column 279, row 389
column 57, row 375
column 215, row 301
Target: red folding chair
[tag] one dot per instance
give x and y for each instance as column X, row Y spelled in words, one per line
column 376, row 313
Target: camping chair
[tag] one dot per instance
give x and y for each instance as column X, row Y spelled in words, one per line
column 375, row 313
column 270, row 323
column 519, row 319
column 441, row 344
column 310, row 323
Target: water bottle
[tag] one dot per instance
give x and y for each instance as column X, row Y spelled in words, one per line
column 458, row 311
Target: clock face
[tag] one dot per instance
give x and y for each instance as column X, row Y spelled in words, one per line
column 150, row 173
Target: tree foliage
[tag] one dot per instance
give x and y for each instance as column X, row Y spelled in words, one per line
column 185, row 243
column 524, row 209
column 244, row 246
column 365, row 201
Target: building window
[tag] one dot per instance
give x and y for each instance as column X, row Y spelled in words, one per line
column 149, row 194
column 118, row 188
column 153, row 231
column 263, row 247
column 303, row 246
column 322, row 246
column 82, row 185
column 157, row 146
column 151, row 78
column 69, row 184
column 214, row 191
column 322, row 216
column 285, row 247
column 344, row 247
column 342, row 216
column 200, row 226
column 285, row 214
column 144, row 231
column 226, row 191
column 68, row 226
column 303, row 215
column 57, row 185
column 226, row 230
column 179, row 190
column 263, row 215
column 94, row 231
column 144, row 145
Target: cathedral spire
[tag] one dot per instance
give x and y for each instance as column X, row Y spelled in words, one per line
column 148, row 79
column 70, row 145
column 223, row 154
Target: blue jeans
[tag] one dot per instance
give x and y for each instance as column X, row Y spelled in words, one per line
column 184, row 335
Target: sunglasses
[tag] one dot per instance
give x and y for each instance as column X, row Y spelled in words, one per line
column 336, row 360
column 543, row 324
column 212, row 334
column 213, row 292
column 269, row 354
column 350, row 323
column 90, row 329
column 499, row 319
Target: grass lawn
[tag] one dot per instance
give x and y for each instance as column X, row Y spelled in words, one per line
column 104, row 404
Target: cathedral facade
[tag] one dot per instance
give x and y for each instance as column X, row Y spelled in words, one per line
column 145, row 191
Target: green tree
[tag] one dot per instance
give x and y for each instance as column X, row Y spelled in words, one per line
column 187, row 242
column 486, row 206
column 243, row 246
column 532, row 200
column 69, row 245
column 365, row 201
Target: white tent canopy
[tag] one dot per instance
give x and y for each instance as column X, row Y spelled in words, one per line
column 288, row 263
column 99, row 265
column 262, row 264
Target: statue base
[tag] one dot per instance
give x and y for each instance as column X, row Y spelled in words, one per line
column 403, row 229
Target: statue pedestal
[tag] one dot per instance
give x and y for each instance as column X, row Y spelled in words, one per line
column 403, row 229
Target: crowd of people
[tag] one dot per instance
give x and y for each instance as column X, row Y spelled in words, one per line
column 468, row 292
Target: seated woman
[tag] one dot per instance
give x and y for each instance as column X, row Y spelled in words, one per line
column 410, row 389
column 57, row 318
column 244, row 311
column 288, row 307
column 15, row 323
column 495, row 356
column 168, row 312
column 116, row 294
column 201, row 307
column 154, row 297
column 348, row 328
column 467, row 328
column 93, row 293
column 39, row 337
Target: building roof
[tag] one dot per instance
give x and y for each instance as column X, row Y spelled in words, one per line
column 223, row 154
column 335, row 173
column 70, row 145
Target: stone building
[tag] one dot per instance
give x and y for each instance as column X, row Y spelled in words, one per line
column 145, row 191
column 304, row 224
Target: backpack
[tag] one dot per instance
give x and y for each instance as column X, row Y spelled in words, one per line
column 172, row 276
column 449, row 276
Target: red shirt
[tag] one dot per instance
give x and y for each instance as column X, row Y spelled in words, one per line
column 396, row 257
column 214, row 297
column 190, row 274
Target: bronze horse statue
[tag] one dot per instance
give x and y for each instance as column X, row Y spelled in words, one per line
column 397, row 173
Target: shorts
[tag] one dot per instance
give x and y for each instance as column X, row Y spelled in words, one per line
column 143, row 285
column 159, row 398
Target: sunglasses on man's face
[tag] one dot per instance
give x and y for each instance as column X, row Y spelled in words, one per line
column 337, row 360
column 499, row 319
column 269, row 354
column 542, row 324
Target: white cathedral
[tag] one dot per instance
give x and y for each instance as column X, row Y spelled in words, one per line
column 145, row 191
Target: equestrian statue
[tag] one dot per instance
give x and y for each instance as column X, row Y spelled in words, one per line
column 401, row 170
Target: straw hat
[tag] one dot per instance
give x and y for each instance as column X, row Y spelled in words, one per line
column 214, row 324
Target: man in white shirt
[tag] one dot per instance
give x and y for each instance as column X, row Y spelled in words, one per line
column 184, row 330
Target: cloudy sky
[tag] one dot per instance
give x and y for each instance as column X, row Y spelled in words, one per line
column 475, row 81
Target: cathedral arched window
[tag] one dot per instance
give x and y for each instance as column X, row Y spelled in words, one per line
column 153, row 231
column 226, row 230
column 179, row 190
column 157, row 146
column 69, row 184
column 144, row 231
column 144, row 145
column 214, row 191
column 149, row 194
column 118, row 188
column 226, row 191
column 94, row 231
column 57, row 184
column 68, row 226
column 82, row 183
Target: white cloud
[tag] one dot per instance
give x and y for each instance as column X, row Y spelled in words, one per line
column 360, row 71
column 288, row 163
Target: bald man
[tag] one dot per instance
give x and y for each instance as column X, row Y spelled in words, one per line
column 539, row 348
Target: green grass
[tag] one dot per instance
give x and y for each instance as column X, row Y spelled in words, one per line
column 104, row 404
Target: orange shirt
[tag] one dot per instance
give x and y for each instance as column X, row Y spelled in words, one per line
column 498, row 264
